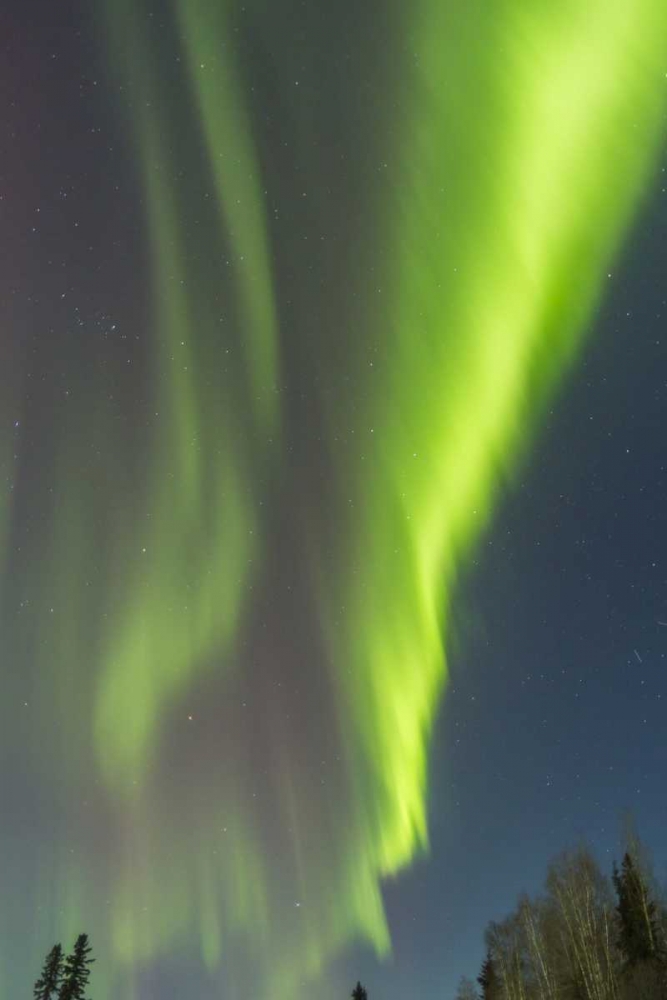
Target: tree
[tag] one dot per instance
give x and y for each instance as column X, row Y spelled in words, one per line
column 466, row 990
column 506, row 948
column 573, row 943
column 359, row 993
column 540, row 925
column 488, row 979
column 644, row 981
column 582, row 901
column 76, row 971
column 48, row 983
column 639, row 932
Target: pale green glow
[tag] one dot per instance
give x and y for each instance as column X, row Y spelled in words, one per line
column 193, row 567
column 156, row 904
column 8, row 456
column 233, row 163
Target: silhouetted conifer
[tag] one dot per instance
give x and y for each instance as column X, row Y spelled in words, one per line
column 76, row 971
column 488, row 979
column 48, row 983
column 359, row 993
column 638, row 934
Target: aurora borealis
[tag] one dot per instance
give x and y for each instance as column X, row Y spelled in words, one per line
column 299, row 286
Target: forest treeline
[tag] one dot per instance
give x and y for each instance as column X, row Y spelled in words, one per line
column 588, row 935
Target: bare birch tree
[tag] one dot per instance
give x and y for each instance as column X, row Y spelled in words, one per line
column 539, row 925
column 582, row 898
column 506, row 945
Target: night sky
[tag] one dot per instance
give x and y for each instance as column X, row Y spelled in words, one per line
column 333, row 480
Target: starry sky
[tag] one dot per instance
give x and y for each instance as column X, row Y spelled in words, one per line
column 333, row 379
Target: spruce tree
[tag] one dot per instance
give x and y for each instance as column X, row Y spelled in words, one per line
column 359, row 993
column 77, row 971
column 638, row 934
column 48, row 983
column 488, row 979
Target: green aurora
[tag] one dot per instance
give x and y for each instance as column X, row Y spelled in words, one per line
column 511, row 183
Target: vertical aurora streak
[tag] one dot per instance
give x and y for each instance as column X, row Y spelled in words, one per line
column 512, row 185
column 188, row 602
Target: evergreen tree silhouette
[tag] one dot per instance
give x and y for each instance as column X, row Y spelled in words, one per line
column 488, row 979
column 48, row 983
column 77, row 971
column 359, row 993
column 639, row 940
column 638, row 933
